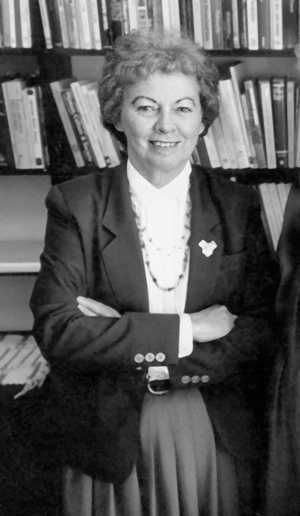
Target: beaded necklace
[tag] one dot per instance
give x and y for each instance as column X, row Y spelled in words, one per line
column 165, row 250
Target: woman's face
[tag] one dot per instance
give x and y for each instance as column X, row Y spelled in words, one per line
column 161, row 117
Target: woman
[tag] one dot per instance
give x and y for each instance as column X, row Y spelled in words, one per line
column 153, row 303
column 283, row 474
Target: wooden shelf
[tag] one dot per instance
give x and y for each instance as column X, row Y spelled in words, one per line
column 20, row 256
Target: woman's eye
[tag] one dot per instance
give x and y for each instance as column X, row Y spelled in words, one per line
column 146, row 109
column 184, row 109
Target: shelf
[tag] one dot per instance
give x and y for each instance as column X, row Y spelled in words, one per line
column 20, row 256
column 76, row 51
column 245, row 52
column 262, row 175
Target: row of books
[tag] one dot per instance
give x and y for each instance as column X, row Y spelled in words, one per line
column 16, row 23
column 258, row 124
column 273, row 198
column 214, row 24
column 79, row 109
column 23, row 142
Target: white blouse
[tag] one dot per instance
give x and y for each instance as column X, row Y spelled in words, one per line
column 163, row 217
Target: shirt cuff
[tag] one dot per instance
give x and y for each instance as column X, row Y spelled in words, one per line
column 185, row 336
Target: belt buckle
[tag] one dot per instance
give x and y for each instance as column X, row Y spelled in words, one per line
column 159, row 387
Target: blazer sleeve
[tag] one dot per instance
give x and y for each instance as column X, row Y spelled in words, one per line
column 69, row 338
column 252, row 342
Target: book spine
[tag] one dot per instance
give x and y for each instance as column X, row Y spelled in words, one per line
column 175, row 16
column 12, row 23
column 203, row 154
column 157, row 15
column 268, row 123
column 26, row 28
column 17, row 123
column 103, row 23
column 235, row 24
column 95, row 20
column 290, row 17
column 182, row 14
column 217, row 24
column 291, row 122
column 276, row 25
column 108, row 149
column 18, row 28
column 46, row 23
column 252, row 25
column 227, row 137
column 233, row 119
column 197, row 20
column 72, row 27
column 218, row 138
column 32, row 119
column 42, row 123
column 53, row 13
column 263, row 9
column 82, row 14
column 242, row 21
column 189, row 17
column 269, row 213
column 137, row 15
column 207, row 25
column 6, row 149
column 57, row 89
column 212, row 150
column 63, row 23
column 255, row 125
column 166, row 14
column 6, row 24
column 78, row 126
column 280, row 120
column 253, row 160
column 227, row 24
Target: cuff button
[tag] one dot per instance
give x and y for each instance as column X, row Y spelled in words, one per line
column 149, row 357
column 195, row 379
column 205, row 378
column 139, row 358
column 185, row 379
column 160, row 357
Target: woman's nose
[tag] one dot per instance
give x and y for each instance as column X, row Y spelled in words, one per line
column 165, row 122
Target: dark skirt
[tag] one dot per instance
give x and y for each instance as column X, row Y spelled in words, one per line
column 180, row 471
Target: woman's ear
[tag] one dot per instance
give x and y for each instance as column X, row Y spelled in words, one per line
column 119, row 126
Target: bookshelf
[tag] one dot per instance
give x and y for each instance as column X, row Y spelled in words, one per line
column 47, row 61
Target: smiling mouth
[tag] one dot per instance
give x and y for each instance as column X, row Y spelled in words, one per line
column 164, row 145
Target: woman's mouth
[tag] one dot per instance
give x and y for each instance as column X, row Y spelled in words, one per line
column 165, row 145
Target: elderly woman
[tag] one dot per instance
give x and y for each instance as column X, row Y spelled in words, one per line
column 153, row 302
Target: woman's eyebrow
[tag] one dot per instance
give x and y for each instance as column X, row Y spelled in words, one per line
column 143, row 97
column 186, row 98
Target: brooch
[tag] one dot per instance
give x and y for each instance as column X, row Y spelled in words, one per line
column 207, row 247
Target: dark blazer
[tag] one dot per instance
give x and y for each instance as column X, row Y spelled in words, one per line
column 92, row 249
column 283, row 475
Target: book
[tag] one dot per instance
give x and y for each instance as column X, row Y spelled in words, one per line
column 46, row 23
column 116, row 18
column 270, row 215
column 85, row 114
column 263, row 8
column 82, row 17
column 237, row 73
column 227, row 24
column 220, row 144
column 252, row 25
column 166, row 17
column 290, row 21
column 34, row 128
column 277, row 209
column 72, row 26
column 57, row 87
column 207, row 24
column 106, row 36
column 202, row 153
column 233, row 120
column 12, row 91
column 78, row 126
column 227, row 137
column 217, row 24
column 268, row 122
column 63, row 22
column 6, row 149
column 212, row 150
column 198, row 22
column 41, row 116
column 95, row 24
column 54, row 20
column 157, row 15
column 280, row 120
column 235, row 24
column 276, row 26
column 242, row 20
column 291, row 120
column 25, row 18
column 6, row 23
column 17, row 23
column 253, row 159
column 189, row 17
column 255, row 122
column 109, row 149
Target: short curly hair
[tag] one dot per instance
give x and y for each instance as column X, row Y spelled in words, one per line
column 136, row 55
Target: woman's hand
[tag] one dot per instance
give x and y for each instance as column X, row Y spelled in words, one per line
column 93, row 308
column 212, row 323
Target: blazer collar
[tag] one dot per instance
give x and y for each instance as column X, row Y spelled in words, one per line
column 122, row 251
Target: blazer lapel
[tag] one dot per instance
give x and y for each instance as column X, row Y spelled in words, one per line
column 205, row 225
column 122, row 253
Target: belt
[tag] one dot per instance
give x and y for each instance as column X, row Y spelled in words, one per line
column 159, row 387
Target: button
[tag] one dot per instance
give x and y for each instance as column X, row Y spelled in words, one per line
column 195, row 379
column 205, row 378
column 138, row 368
column 160, row 357
column 149, row 357
column 185, row 379
column 139, row 358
